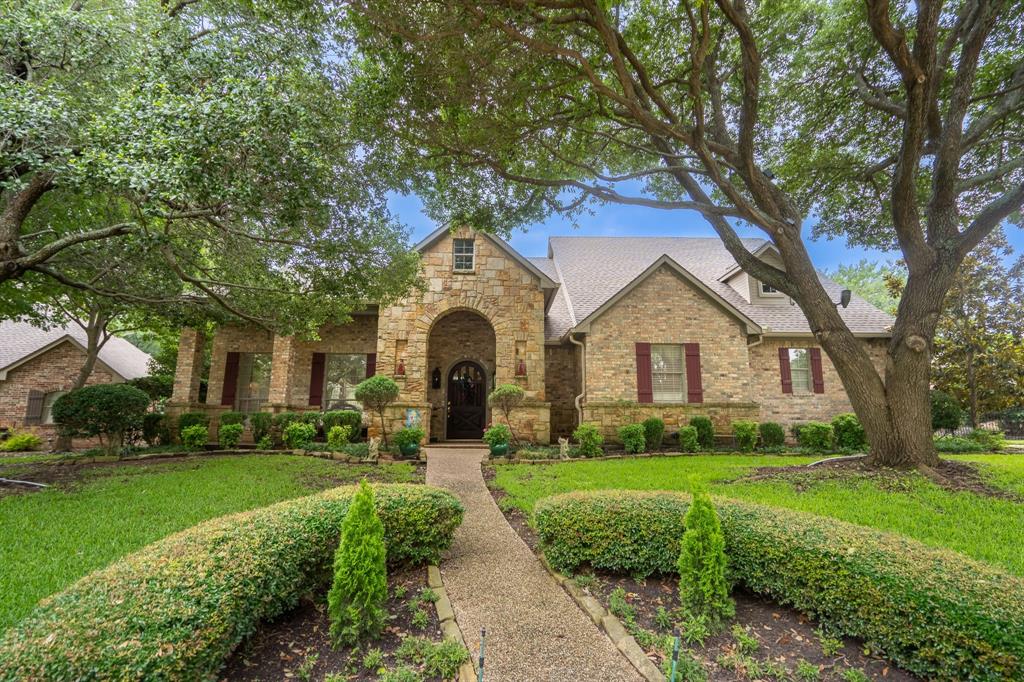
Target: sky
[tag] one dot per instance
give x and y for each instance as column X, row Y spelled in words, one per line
column 638, row 221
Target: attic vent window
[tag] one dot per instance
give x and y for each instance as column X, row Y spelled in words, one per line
column 769, row 290
column 463, row 252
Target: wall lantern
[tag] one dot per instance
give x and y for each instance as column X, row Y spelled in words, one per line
column 401, row 367
column 844, row 297
column 521, row 368
column 435, row 378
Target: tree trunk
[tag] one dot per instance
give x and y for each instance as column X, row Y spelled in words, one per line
column 972, row 389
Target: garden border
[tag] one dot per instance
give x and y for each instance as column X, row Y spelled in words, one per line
column 449, row 625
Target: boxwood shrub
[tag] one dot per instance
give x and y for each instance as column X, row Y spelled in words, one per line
column 934, row 612
column 177, row 608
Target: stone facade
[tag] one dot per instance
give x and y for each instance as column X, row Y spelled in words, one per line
column 459, row 335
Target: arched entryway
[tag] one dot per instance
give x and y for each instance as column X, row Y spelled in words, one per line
column 460, row 372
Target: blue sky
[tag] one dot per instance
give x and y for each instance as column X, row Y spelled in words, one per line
column 638, row 221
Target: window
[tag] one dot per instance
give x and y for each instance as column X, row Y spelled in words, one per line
column 342, row 372
column 668, row 375
column 463, row 251
column 769, row 290
column 253, row 381
column 48, row 402
column 800, row 370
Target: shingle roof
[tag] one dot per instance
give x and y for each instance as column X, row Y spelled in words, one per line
column 19, row 340
column 592, row 270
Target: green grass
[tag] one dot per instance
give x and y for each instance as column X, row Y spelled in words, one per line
column 985, row 528
column 49, row 539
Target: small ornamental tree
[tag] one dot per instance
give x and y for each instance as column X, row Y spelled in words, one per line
column 105, row 411
column 376, row 394
column 507, row 398
column 703, row 590
column 946, row 412
column 355, row 603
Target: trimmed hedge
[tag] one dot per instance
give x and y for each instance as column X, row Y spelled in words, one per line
column 176, row 609
column 934, row 612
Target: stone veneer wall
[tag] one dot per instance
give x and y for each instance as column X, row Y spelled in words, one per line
column 791, row 408
column 562, row 379
column 610, row 415
column 459, row 335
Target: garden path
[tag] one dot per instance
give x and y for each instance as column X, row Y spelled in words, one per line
column 534, row 630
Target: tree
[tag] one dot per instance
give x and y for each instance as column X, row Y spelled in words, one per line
column 205, row 135
column 376, row 394
column 355, row 602
column 703, row 588
column 877, row 283
column 895, row 127
column 107, row 411
column 507, row 398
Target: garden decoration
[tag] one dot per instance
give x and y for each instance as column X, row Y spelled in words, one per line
column 373, row 453
column 563, row 448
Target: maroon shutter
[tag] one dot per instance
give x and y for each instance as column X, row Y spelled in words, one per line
column 694, row 385
column 227, row 395
column 371, row 364
column 316, row 379
column 644, row 383
column 817, row 378
column 787, row 377
column 34, row 412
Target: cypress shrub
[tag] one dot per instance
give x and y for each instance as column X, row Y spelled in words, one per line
column 632, row 437
column 705, row 431
column 772, row 435
column 654, row 432
column 688, row 439
column 355, row 603
column 703, row 589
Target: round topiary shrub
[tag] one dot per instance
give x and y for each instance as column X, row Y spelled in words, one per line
column 376, row 394
column 105, row 411
column 176, row 609
column 298, row 435
column 688, row 439
column 632, row 437
column 195, row 437
column 705, row 431
column 772, row 435
column 654, row 433
column 229, row 435
column 746, row 435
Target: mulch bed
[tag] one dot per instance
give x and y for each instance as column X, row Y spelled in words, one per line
column 297, row 646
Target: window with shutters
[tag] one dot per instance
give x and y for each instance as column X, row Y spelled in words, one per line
column 463, row 253
column 342, row 373
column 253, row 381
column 668, row 373
column 800, row 370
column 48, row 402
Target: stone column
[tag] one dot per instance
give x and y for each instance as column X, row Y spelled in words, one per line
column 282, row 373
column 190, row 368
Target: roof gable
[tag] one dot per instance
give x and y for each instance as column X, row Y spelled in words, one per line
column 21, row 341
column 545, row 281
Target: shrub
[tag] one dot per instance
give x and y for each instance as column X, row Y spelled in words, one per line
column 156, row 386
column 408, row 436
column 772, row 435
column 350, row 418
column 175, row 609
column 298, row 435
column 991, row 441
column 589, row 439
column 21, row 442
column 338, row 435
column 705, row 431
column 228, row 435
column 688, row 439
column 497, row 434
column 260, row 423
column 282, row 420
column 746, row 435
column 265, row 443
column 232, row 418
column 931, row 611
column 946, row 412
column 849, row 433
column 153, row 427
column 703, row 590
column 195, row 437
column 187, row 419
column 654, row 433
column 955, row 445
column 107, row 411
column 355, row 603
column 376, row 394
column 632, row 437
column 816, row 437
column 507, row 398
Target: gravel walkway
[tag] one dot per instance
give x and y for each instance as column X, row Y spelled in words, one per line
column 534, row 630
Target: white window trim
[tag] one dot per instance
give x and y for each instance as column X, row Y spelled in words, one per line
column 682, row 397
column 801, row 389
column 470, row 269
column 767, row 294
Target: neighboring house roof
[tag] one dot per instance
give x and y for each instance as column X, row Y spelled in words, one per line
column 594, row 270
column 21, row 341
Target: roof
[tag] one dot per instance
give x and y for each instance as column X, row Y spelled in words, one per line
column 21, row 341
column 594, row 270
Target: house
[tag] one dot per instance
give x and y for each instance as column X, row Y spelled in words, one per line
column 39, row 365
column 603, row 330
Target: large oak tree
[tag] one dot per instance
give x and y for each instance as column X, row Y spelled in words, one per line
column 890, row 123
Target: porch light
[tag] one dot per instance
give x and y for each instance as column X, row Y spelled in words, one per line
column 844, row 297
column 521, row 368
column 401, row 367
column 435, row 378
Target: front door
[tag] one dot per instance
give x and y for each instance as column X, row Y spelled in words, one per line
column 467, row 401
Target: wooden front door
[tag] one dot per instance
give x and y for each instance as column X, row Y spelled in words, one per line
column 467, row 401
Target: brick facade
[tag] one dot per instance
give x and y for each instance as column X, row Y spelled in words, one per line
column 562, row 385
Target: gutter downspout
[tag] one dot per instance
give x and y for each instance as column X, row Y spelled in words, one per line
column 760, row 340
column 583, row 378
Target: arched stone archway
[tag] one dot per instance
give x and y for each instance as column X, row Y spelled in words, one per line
column 464, row 340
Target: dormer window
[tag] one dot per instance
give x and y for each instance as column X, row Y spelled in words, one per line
column 463, row 253
column 769, row 290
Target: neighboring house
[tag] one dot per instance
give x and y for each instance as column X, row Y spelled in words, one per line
column 39, row 365
column 607, row 330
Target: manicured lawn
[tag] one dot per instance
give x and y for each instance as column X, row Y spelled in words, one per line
column 985, row 528
column 49, row 539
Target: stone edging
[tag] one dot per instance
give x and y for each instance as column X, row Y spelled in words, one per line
column 610, row 625
column 449, row 627
column 557, row 460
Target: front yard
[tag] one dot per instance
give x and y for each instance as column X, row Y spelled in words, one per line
column 983, row 526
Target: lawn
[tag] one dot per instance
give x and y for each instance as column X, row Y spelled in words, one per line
column 49, row 539
column 985, row 528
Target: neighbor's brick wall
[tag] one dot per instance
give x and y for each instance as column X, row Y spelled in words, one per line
column 462, row 335
column 562, row 382
column 786, row 408
column 664, row 308
column 55, row 370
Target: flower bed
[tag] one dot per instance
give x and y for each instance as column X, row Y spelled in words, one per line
column 933, row 612
column 177, row 608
